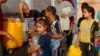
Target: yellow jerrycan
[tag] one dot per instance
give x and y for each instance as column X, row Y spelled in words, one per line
column 15, row 28
column 74, row 51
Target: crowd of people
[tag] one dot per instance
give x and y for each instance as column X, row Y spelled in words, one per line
column 50, row 32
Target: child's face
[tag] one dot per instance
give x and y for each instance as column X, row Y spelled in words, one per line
column 48, row 14
column 40, row 28
column 86, row 14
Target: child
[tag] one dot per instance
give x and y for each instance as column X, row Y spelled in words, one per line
column 55, row 30
column 44, row 42
column 87, row 32
column 33, row 42
column 66, row 29
column 25, row 12
column 84, row 5
column 29, row 17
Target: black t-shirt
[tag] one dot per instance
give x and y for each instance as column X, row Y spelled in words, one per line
column 94, row 28
column 79, row 21
column 33, row 14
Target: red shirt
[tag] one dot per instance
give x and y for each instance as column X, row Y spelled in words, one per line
column 1, row 16
column 1, row 19
column 1, row 23
column 98, row 39
column 72, row 20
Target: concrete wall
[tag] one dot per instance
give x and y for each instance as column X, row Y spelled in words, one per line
column 41, row 4
column 12, row 5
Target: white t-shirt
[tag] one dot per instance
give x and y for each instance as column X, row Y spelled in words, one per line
column 62, row 5
column 25, row 29
column 65, row 23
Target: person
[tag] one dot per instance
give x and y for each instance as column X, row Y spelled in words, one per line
column 25, row 12
column 66, row 4
column 2, row 48
column 55, row 30
column 28, row 17
column 62, row 4
column 84, row 5
column 87, row 32
column 44, row 42
column 65, row 27
column 1, row 15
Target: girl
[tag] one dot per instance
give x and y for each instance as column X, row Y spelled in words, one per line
column 87, row 32
column 42, row 28
column 82, row 18
column 66, row 4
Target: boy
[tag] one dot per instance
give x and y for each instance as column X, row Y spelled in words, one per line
column 55, row 30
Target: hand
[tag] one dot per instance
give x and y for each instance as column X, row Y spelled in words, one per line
column 9, row 36
column 77, row 44
column 31, row 31
column 68, row 34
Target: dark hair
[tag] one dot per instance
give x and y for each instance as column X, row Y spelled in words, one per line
column 44, row 22
column 57, row 17
column 84, row 5
column 43, row 13
column 91, row 10
column 51, row 9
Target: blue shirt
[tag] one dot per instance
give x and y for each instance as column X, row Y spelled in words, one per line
column 44, row 42
column 55, row 29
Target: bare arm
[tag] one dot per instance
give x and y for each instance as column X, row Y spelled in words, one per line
column 6, row 34
column 3, row 33
column 32, row 31
column 57, row 36
column 20, row 10
column 78, row 39
column 33, row 49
